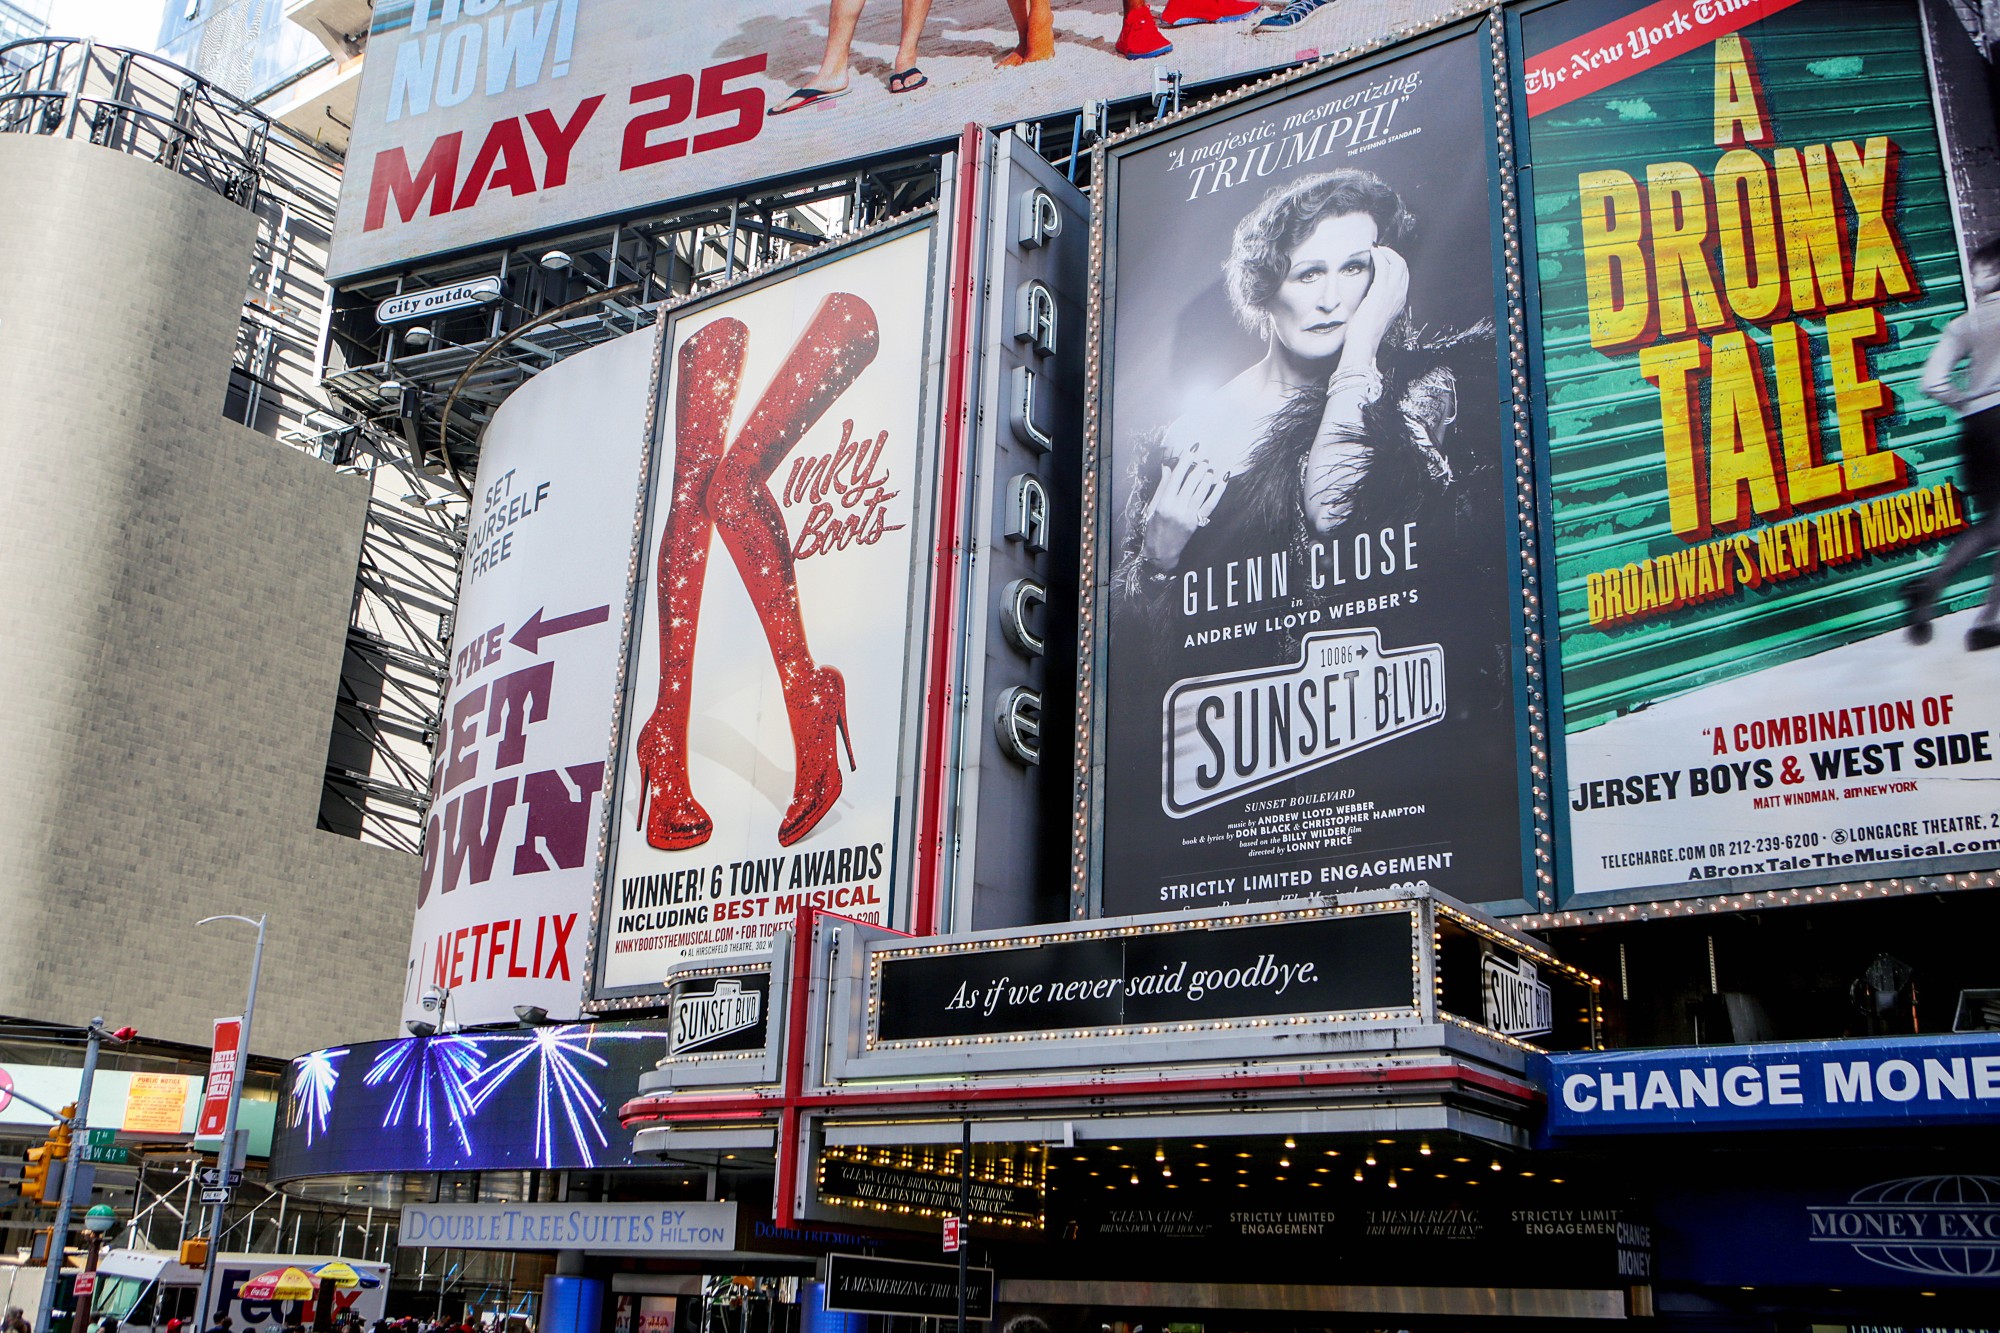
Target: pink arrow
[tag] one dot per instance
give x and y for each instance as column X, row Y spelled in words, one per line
column 537, row 629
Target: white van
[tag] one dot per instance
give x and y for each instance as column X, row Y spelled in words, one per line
column 144, row 1289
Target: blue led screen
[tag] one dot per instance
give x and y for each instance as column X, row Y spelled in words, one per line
column 545, row 1097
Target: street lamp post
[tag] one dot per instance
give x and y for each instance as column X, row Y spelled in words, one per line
column 98, row 1222
column 227, row 1156
column 59, row 1237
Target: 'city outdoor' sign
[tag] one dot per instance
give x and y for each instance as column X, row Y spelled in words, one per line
column 431, row 300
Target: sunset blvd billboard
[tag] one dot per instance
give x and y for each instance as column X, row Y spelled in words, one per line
column 1306, row 526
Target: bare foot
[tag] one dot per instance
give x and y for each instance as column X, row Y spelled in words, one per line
column 1038, row 36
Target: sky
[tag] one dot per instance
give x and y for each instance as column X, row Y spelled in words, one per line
column 130, row 23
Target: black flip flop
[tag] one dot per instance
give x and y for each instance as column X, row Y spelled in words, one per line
column 907, row 80
column 802, row 98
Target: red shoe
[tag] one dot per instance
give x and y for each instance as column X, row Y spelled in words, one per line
column 1140, row 38
column 839, row 342
column 710, row 364
column 1184, row 13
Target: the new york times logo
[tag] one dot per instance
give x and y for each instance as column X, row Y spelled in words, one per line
column 713, row 1015
column 1514, row 998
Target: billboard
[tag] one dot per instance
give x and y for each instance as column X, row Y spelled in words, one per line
column 510, row 850
column 511, row 1099
column 1747, row 253
column 1309, row 604
column 765, row 743
column 478, row 121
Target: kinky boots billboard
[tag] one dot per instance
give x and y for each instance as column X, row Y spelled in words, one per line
column 766, row 725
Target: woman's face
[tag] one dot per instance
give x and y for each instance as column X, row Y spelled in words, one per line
column 1329, row 274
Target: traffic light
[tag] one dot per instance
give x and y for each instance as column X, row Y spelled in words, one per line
column 35, row 1175
column 194, row 1251
column 60, row 1132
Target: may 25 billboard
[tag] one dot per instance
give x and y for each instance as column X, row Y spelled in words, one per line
column 1747, row 253
column 479, row 120
column 764, row 747
column 1307, row 674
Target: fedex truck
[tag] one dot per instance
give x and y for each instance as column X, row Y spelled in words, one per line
column 144, row 1289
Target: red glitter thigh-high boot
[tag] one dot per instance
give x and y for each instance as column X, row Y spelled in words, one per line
column 705, row 378
column 838, row 343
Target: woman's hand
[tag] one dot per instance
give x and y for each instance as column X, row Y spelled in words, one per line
column 1187, row 494
column 1388, row 293
column 1334, row 469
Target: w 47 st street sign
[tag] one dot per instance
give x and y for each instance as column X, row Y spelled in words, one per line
column 97, row 1146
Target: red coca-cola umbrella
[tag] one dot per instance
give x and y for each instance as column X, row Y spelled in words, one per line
column 281, row 1284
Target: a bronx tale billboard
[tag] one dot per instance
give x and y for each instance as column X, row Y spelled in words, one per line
column 1307, row 596
column 1753, row 305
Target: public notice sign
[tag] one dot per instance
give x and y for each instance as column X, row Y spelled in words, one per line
column 1747, row 252
column 1305, row 548
column 761, row 746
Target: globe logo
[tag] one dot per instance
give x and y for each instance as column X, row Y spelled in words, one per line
column 1936, row 1226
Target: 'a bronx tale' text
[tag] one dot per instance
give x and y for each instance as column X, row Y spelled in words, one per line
column 1678, row 265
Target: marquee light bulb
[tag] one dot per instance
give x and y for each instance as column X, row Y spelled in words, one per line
column 1289, row 1143
column 1424, row 1148
column 1370, row 1159
column 1357, row 1173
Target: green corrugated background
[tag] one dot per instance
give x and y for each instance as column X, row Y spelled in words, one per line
column 1830, row 71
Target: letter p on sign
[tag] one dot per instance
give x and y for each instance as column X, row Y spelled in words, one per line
column 954, row 1234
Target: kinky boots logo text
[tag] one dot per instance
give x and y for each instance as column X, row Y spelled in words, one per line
column 848, row 495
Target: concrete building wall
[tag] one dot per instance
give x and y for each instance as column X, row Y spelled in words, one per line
column 178, row 592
